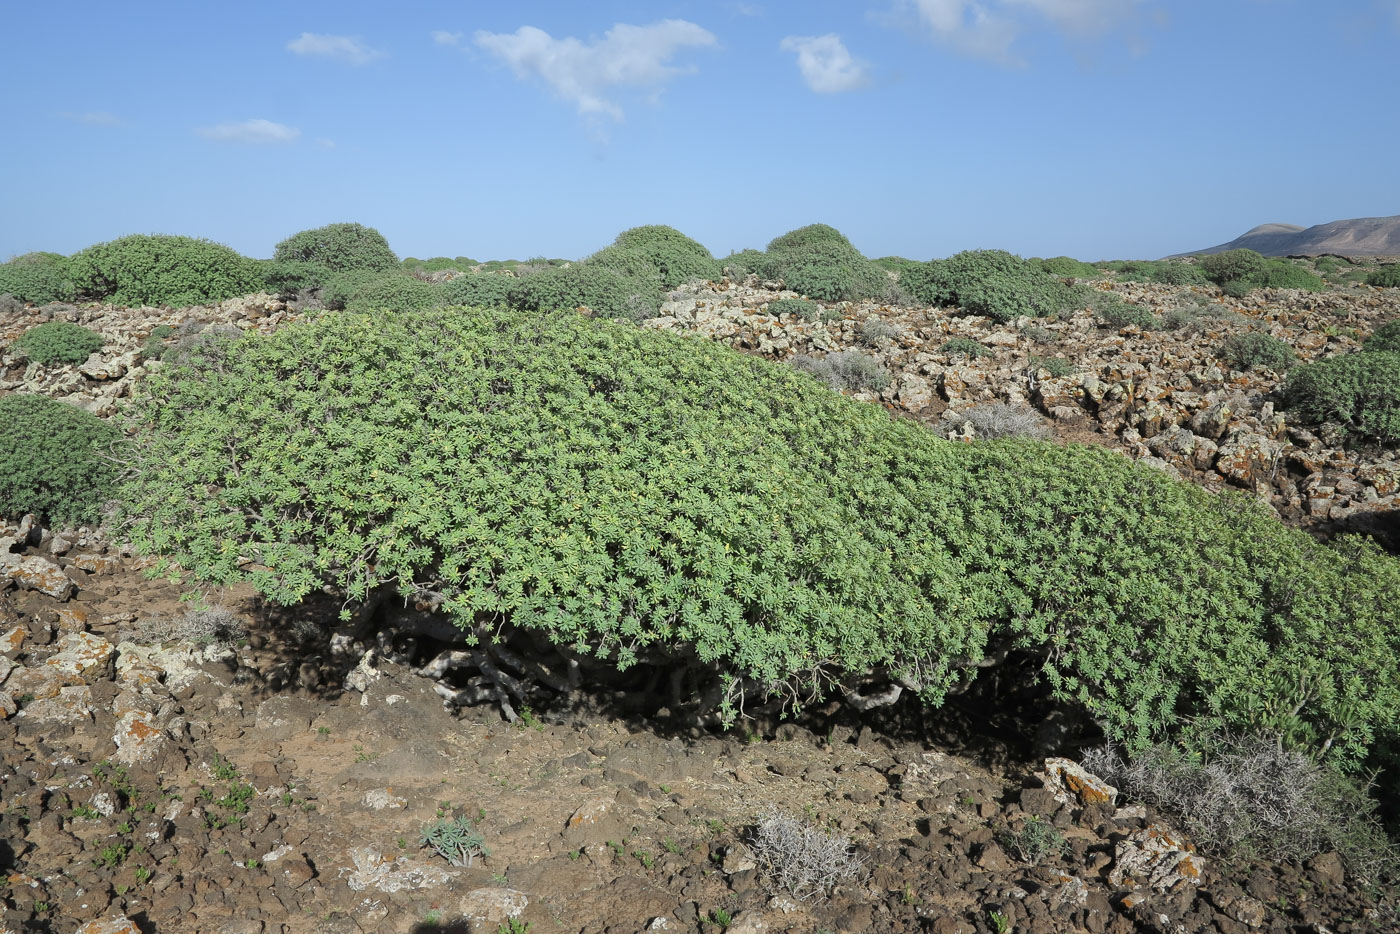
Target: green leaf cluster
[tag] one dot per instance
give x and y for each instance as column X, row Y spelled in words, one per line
column 818, row 261
column 339, row 248
column 1252, row 350
column 966, row 346
column 335, row 289
column 478, row 289
column 1359, row 392
column 59, row 342
column 39, row 278
column 993, row 283
column 629, row 494
column 799, row 307
column 395, row 292
column 1114, row 312
column 1386, row 277
column 156, row 269
column 54, row 460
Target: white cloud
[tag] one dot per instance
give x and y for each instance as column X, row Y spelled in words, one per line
column 583, row 72
column 340, row 48
column 989, row 28
column 826, row 64
column 443, row 37
column 325, row 143
column 92, row 118
column 250, row 131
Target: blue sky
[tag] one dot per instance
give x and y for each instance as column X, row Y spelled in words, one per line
column 1095, row 128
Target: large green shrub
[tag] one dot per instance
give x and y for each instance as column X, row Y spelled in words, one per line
column 1165, row 271
column 339, row 247
column 59, row 342
column 478, row 289
column 676, row 257
column 1233, row 266
column 994, row 283
column 1386, row 277
column 631, row 494
column 54, row 460
column 603, row 290
column 37, row 277
column 632, row 264
column 288, row 278
column 1358, row 392
column 1115, row 312
column 818, row 261
column 395, row 292
column 155, row 269
column 1385, row 337
column 1252, row 350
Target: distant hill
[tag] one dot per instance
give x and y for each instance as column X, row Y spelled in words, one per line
column 1360, row 236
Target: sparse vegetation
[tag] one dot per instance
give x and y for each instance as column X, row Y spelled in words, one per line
column 966, row 346
column 847, row 369
column 801, row 859
column 1252, row 796
column 803, row 308
column 1002, row 420
column 455, row 840
column 1034, row 841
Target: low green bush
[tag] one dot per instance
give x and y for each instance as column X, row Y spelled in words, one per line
column 397, row 292
column 632, row 495
column 744, row 262
column 339, row 248
column 1286, row 274
column 1237, row 288
column 1359, row 393
column 1385, row 337
column 54, row 460
column 412, row 264
column 1253, row 350
column 1233, row 266
column 59, row 342
column 603, row 290
column 993, row 283
column 478, row 289
column 1057, row 367
column 39, row 278
column 1386, row 277
column 1117, row 313
column 155, row 269
column 967, row 346
column 676, row 257
column 1166, row 272
column 1068, row 266
column 818, row 261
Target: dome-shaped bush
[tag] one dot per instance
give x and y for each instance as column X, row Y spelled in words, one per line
column 59, row 342
column 676, row 257
column 818, row 261
column 39, row 278
column 339, row 247
column 1233, row 266
column 478, row 289
column 1386, row 277
column 155, row 269
column 54, row 460
column 994, row 283
column 631, row 495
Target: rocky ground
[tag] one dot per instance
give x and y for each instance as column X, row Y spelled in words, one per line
column 237, row 768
